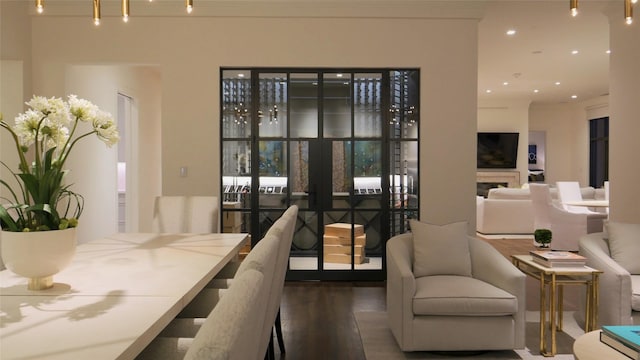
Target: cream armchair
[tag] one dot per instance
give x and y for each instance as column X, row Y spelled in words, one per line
column 619, row 302
column 482, row 311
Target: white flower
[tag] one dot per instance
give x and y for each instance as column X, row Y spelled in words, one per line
column 26, row 125
column 105, row 127
column 82, row 109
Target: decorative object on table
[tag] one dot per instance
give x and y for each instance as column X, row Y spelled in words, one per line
column 40, row 203
column 550, row 258
column 624, row 338
column 543, row 237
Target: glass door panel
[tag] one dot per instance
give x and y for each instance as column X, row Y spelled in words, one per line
column 299, row 173
column 272, row 164
column 338, row 174
column 336, row 96
column 272, row 108
column 303, row 105
column 236, row 104
column 367, row 103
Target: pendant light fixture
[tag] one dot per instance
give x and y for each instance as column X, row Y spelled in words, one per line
column 628, row 9
column 39, row 6
column 125, row 10
column 573, row 6
column 96, row 12
column 189, row 5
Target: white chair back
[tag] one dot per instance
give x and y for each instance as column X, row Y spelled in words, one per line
column 569, row 191
column 541, row 201
column 232, row 323
column 186, row 214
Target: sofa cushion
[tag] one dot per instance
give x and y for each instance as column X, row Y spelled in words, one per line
column 440, row 249
column 635, row 292
column 461, row 296
column 624, row 243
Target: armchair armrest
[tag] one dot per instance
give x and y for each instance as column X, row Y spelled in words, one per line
column 492, row 267
column 401, row 287
column 615, row 282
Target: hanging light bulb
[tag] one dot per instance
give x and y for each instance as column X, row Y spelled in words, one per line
column 125, row 10
column 628, row 12
column 96, row 12
column 39, row 6
column 189, row 4
column 573, row 5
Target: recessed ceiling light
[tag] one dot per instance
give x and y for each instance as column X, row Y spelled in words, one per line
column 488, row 91
column 608, row 51
column 574, row 96
column 536, row 91
column 574, row 52
column 557, row 82
column 505, row 83
column 511, row 32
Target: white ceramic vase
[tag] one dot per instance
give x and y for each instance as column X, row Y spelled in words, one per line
column 38, row 255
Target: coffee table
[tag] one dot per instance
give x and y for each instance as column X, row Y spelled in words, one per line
column 555, row 279
column 589, row 347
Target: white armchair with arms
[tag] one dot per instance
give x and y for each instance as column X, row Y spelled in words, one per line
column 567, row 227
column 447, row 291
column 617, row 254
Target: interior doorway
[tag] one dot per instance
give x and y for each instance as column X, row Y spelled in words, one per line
column 342, row 145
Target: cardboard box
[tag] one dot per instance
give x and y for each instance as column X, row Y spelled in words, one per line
column 344, row 250
column 232, row 229
column 231, row 218
column 343, row 230
column 336, row 240
column 343, row 259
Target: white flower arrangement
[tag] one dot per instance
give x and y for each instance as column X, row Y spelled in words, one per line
column 43, row 201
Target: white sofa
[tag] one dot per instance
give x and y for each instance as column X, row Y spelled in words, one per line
column 509, row 210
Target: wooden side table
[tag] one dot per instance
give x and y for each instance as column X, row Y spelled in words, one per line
column 589, row 347
column 554, row 279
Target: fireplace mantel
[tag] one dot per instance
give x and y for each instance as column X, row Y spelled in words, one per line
column 510, row 177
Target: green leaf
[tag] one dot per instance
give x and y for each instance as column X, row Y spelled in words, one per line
column 7, row 220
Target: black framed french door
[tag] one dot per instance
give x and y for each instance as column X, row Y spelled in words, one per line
column 342, row 145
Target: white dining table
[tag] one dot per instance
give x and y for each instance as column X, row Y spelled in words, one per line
column 115, row 297
column 589, row 203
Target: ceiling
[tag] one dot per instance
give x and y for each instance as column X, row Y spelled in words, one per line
column 535, row 58
column 540, row 53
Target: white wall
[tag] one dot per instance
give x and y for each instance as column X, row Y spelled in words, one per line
column 567, row 141
column 624, row 124
column 510, row 116
column 93, row 165
column 190, row 63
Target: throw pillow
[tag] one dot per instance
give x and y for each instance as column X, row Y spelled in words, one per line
column 440, row 249
column 624, row 244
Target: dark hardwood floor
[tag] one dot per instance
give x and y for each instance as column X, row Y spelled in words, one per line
column 318, row 321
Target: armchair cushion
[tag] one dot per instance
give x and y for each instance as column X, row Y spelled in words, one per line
column 624, row 243
column 461, row 296
column 440, row 249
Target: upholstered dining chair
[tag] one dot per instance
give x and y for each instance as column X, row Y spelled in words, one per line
column 284, row 228
column 186, row 214
column 225, row 331
column 569, row 191
column 566, row 227
column 448, row 291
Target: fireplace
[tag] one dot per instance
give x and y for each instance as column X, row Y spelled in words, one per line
column 483, row 187
column 490, row 179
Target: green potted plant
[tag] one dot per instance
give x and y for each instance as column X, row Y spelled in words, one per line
column 542, row 237
column 39, row 211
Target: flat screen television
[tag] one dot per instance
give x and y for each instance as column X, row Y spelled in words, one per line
column 497, row 150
